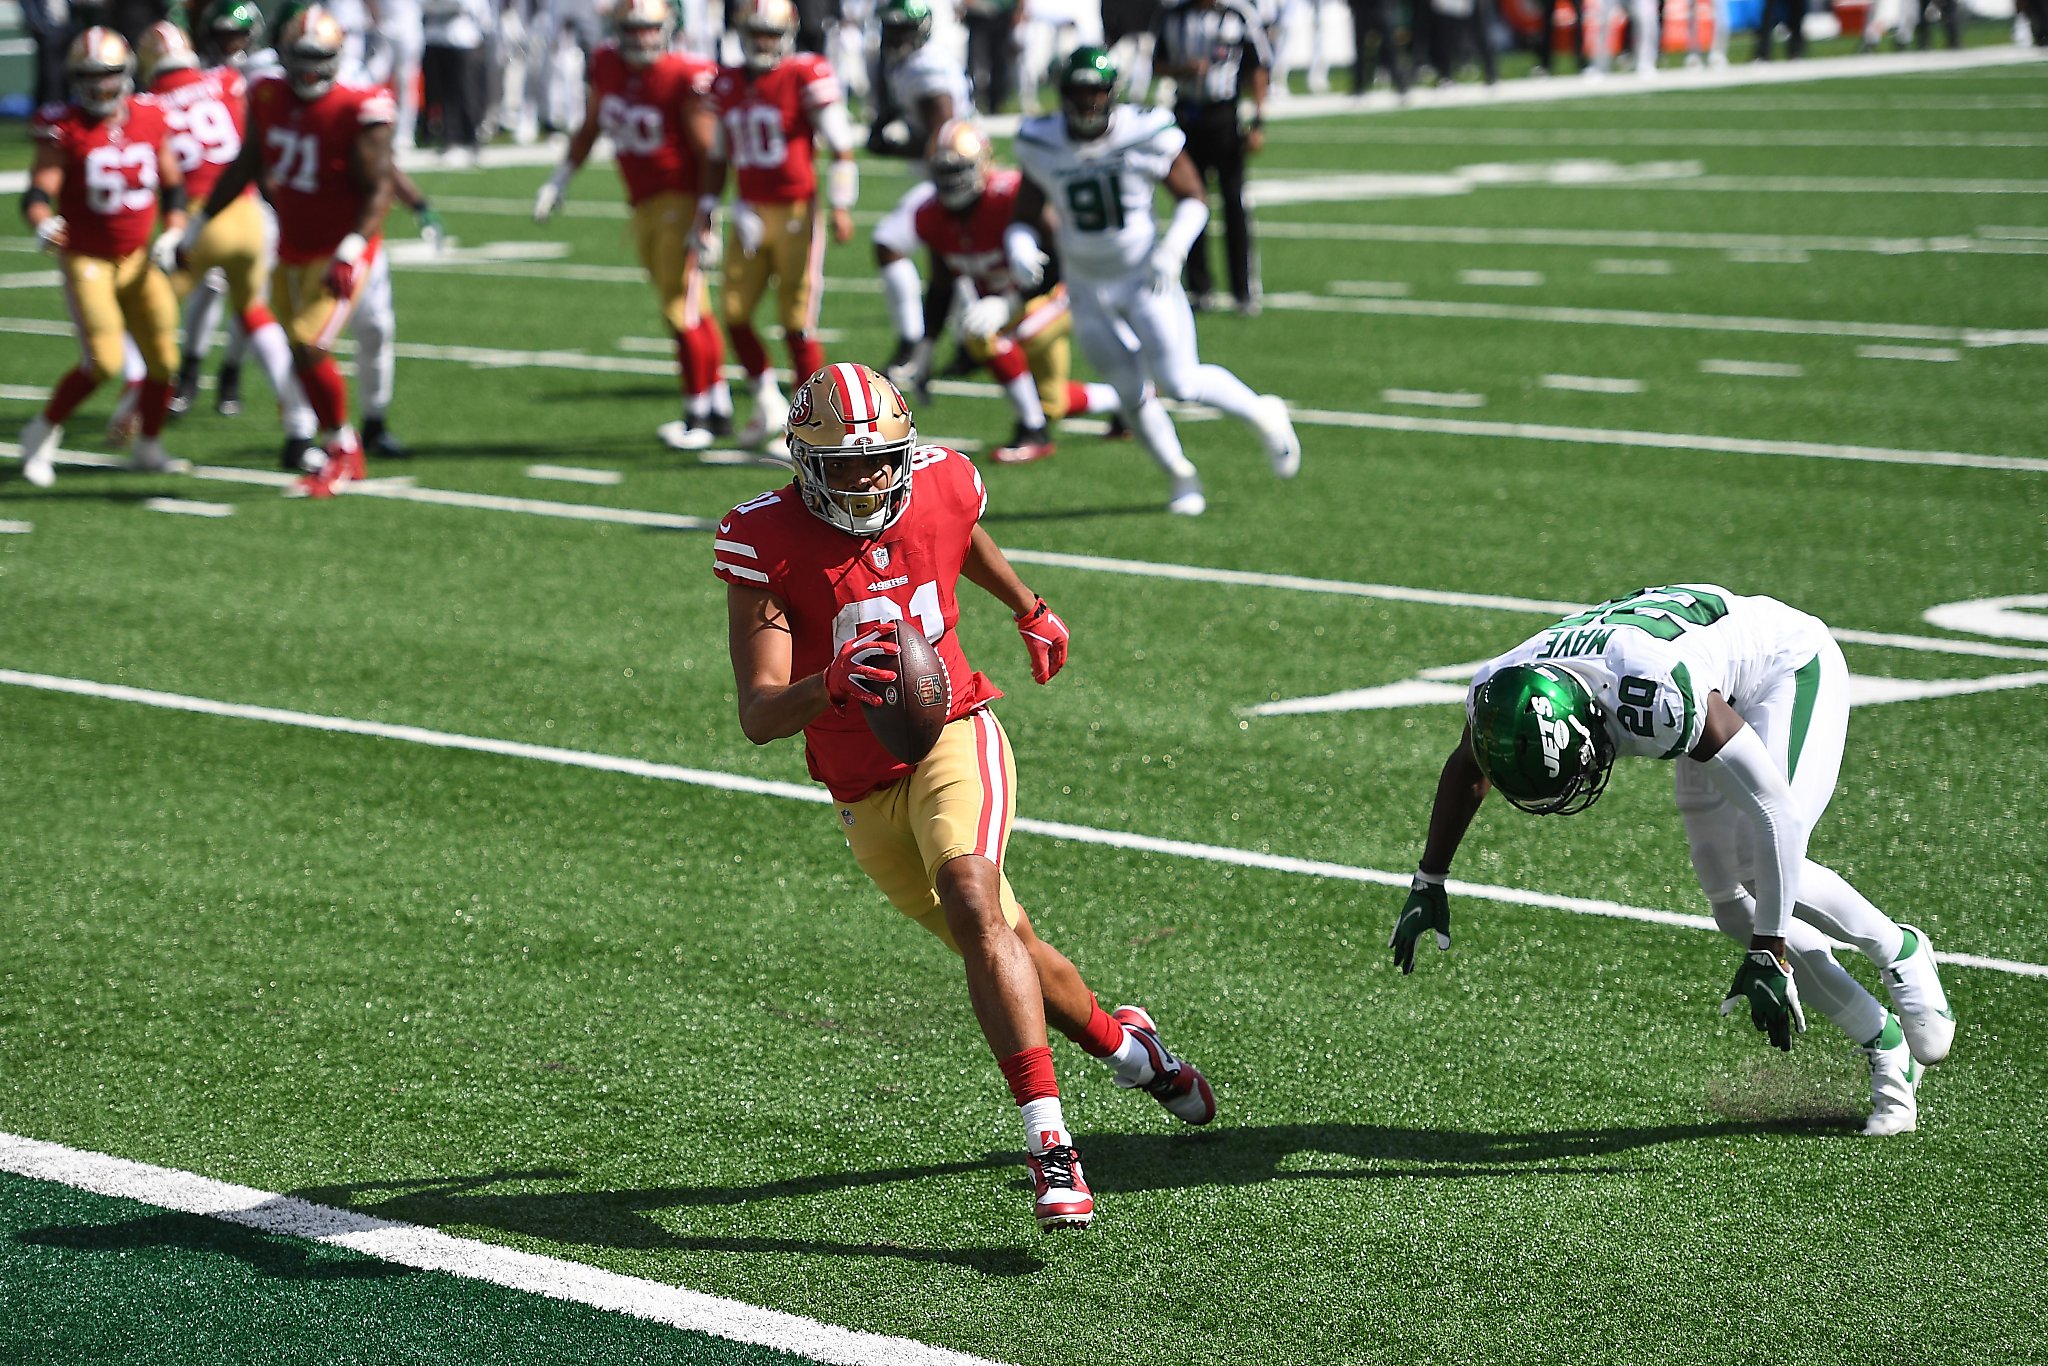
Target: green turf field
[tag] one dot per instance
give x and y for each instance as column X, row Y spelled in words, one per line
column 429, row 964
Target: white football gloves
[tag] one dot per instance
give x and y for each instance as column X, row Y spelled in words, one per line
column 1027, row 259
column 164, row 251
column 987, row 316
column 551, row 194
column 1162, row 270
column 747, row 227
column 50, row 233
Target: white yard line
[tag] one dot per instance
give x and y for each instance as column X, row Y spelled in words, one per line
column 1558, row 136
column 1430, row 398
column 2010, row 241
column 1926, row 353
column 1631, row 266
column 1376, row 289
column 733, row 782
column 574, row 474
column 12, row 528
column 428, row 1249
column 1505, row 279
column 23, row 393
column 1917, row 187
column 2016, row 234
column 1592, row 384
column 1768, row 256
column 1756, row 369
column 187, row 508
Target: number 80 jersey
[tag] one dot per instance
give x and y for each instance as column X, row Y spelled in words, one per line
column 834, row 584
column 1652, row 658
column 1102, row 190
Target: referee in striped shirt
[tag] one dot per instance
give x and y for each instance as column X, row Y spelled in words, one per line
column 1217, row 53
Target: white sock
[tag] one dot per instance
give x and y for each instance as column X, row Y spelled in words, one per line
column 905, row 294
column 766, row 390
column 1102, row 398
column 1132, row 1062
column 1044, row 1125
column 1156, row 433
column 721, row 398
column 696, row 407
column 1220, row 389
column 1023, row 391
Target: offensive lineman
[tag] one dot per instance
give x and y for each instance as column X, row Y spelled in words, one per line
column 103, row 165
column 871, row 538
column 1023, row 342
column 770, row 111
column 1096, row 162
column 1751, row 697
column 323, row 149
column 649, row 100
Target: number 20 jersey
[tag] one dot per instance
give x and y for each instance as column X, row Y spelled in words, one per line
column 1102, row 190
column 1652, row 658
column 833, row 584
column 309, row 161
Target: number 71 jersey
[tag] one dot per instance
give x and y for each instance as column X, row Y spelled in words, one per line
column 1102, row 190
column 309, row 168
column 834, row 585
column 1652, row 658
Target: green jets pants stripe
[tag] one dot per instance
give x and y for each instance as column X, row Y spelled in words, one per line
column 1805, row 687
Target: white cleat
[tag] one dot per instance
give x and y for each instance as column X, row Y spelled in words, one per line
column 681, row 436
column 1276, row 429
column 1914, row 984
column 1187, row 500
column 150, row 457
column 1894, row 1086
column 765, row 424
column 39, row 440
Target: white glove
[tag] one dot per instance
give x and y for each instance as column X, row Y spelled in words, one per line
column 1162, row 271
column 987, row 316
column 747, row 226
column 164, row 251
column 704, row 239
column 551, row 195
column 1027, row 259
column 49, row 231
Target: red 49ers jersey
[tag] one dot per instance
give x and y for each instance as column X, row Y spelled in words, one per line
column 309, row 161
column 833, row 584
column 768, row 128
column 207, row 112
column 109, row 194
column 971, row 244
column 643, row 110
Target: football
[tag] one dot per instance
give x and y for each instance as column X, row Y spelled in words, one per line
column 914, row 707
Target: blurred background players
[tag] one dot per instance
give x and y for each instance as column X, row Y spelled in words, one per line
column 992, row 49
column 1217, row 54
column 771, row 111
column 1096, row 164
column 322, row 147
column 103, row 163
column 1023, row 342
column 457, row 85
column 651, row 103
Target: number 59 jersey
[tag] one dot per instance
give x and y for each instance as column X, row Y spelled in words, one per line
column 1101, row 191
column 1652, row 658
column 834, row 584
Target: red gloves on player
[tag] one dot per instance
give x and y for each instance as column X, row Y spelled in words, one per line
column 1045, row 636
column 853, row 668
column 346, row 269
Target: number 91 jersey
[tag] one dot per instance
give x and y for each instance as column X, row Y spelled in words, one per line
column 1652, row 658
column 109, row 193
column 1102, row 190
column 833, row 585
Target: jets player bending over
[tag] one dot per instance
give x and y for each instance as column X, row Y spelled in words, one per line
column 1751, row 698
column 1096, row 163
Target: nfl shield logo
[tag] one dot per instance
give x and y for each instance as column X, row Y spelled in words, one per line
column 880, row 555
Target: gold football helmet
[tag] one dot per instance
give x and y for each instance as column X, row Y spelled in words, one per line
column 642, row 27
column 847, row 413
column 960, row 163
column 310, row 48
column 767, row 32
column 164, row 47
column 98, row 64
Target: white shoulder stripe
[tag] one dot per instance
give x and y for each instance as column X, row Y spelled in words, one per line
column 740, row 570
column 736, row 548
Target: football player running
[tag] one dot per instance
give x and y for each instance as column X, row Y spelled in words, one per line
column 207, row 110
column 1750, row 697
column 103, row 165
column 650, row 101
column 771, row 111
column 1096, row 162
column 322, row 147
column 870, row 538
column 1023, row 342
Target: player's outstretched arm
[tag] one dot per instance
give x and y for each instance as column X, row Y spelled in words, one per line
column 1020, row 239
column 1460, row 789
column 377, row 174
column 241, row 173
column 39, row 203
column 1742, row 770
column 1043, row 633
column 581, row 143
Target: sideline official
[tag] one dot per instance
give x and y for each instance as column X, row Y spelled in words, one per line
column 1217, row 54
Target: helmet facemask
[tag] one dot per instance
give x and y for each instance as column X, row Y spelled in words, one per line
column 767, row 35
column 643, row 31
column 1542, row 740
column 842, row 417
column 310, row 49
column 99, row 66
column 1088, row 93
column 959, row 166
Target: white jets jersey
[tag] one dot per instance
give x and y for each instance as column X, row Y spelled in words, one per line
column 923, row 75
column 1101, row 191
column 1651, row 659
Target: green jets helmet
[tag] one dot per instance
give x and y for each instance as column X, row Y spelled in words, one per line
column 1088, row 86
column 228, row 30
column 906, row 27
column 1540, row 739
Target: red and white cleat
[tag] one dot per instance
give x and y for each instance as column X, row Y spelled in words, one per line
column 1026, row 445
column 1176, row 1083
column 1061, row 1196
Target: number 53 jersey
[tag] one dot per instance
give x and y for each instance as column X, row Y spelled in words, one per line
column 834, row 585
column 1650, row 659
column 1102, row 190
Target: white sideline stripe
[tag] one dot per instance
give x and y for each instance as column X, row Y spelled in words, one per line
column 1761, row 369
column 2014, row 241
column 23, row 393
column 574, row 474
column 1793, row 184
column 1932, row 353
column 1431, row 398
column 1662, row 137
column 1379, row 289
column 16, row 528
column 2022, row 234
column 1631, row 265
column 189, row 508
column 732, row 782
column 1506, row 279
column 1768, row 256
column 428, row 1249
column 1592, row 384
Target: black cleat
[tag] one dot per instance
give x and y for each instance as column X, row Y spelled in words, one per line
column 186, row 389
column 301, row 455
column 1118, row 429
column 227, row 391
column 718, row 424
column 378, row 441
